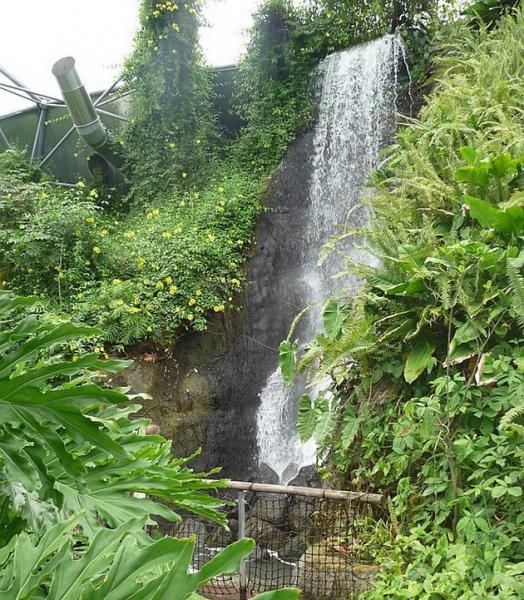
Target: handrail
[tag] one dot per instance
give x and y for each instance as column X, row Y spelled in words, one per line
column 295, row 490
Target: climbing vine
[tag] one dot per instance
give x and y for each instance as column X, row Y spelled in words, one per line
column 170, row 140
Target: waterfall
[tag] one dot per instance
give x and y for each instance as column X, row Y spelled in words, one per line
column 356, row 119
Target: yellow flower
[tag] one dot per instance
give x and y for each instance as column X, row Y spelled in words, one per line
column 29, row 270
column 119, row 302
column 235, row 282
column 184, row 175
column 133, row 310
column 198, row 293
column 211, row 238
column 96, row 250
column 221, row 189
column 140, row 262
column 166, row 234
column 80, row 295
column 149, row 329
column 116, row 281
column 155, row 212
column 181, row 203
column 168, row 280
column 192, row 302
column 90, row 219
column 104, row 232
column 93, row 193
column 218, row 308
column 173, row 289
column 129, row 234
column 80, row 184
column 159, row 285
column 172, row 145
column 189, row 316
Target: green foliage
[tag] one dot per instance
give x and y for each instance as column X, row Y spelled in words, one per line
column 426, row 365
column 164, row 266
column 275, row 95
column 489, row 11
column 169, row 256
column 71, row 461
column 169, row 143
column 68, row 444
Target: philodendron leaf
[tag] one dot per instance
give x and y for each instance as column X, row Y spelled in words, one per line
column 307, row 418
column 325, row 419
column 419, row 359
column 334, row 315
column 351, row 425
column 287, row 360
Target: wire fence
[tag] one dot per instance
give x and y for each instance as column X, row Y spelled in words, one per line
column 302, row 541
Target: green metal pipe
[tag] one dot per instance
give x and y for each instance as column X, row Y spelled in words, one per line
column 84, row 115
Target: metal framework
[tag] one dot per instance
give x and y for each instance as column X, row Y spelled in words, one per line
column 43, row 102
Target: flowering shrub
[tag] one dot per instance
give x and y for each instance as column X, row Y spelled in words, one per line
column 142, row 275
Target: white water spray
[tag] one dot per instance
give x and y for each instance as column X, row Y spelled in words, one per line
column 356, row 120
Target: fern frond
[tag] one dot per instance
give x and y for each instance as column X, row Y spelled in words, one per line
column 516, row 285
column 508, row 420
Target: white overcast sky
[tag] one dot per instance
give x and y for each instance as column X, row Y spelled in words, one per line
column 99, row 34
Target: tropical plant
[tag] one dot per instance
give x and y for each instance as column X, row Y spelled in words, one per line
column 71, row 463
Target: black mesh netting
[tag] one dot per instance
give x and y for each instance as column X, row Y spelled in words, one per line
column 305, row 542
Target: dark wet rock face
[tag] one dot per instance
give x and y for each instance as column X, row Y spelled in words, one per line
column 206, row 395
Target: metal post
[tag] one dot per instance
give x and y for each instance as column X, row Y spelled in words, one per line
column 242, row 533
column 38, row 143
column 4, row 139
column 55, row 147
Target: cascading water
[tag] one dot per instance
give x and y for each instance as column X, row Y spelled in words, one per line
column 357, row 95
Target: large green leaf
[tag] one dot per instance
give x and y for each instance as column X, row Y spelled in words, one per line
column 287, row 360
column 326, row 419
column 335, row 314
column 350, row 428
column 419, row 359
column 307, row 418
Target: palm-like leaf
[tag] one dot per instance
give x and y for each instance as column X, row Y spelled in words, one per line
column 69, row 441
column 117, row 565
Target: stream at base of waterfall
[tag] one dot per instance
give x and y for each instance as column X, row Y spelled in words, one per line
column 356, row 120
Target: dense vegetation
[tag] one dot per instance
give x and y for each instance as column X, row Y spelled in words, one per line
column 72, row 462
column 426, row 363
column 169, row 255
